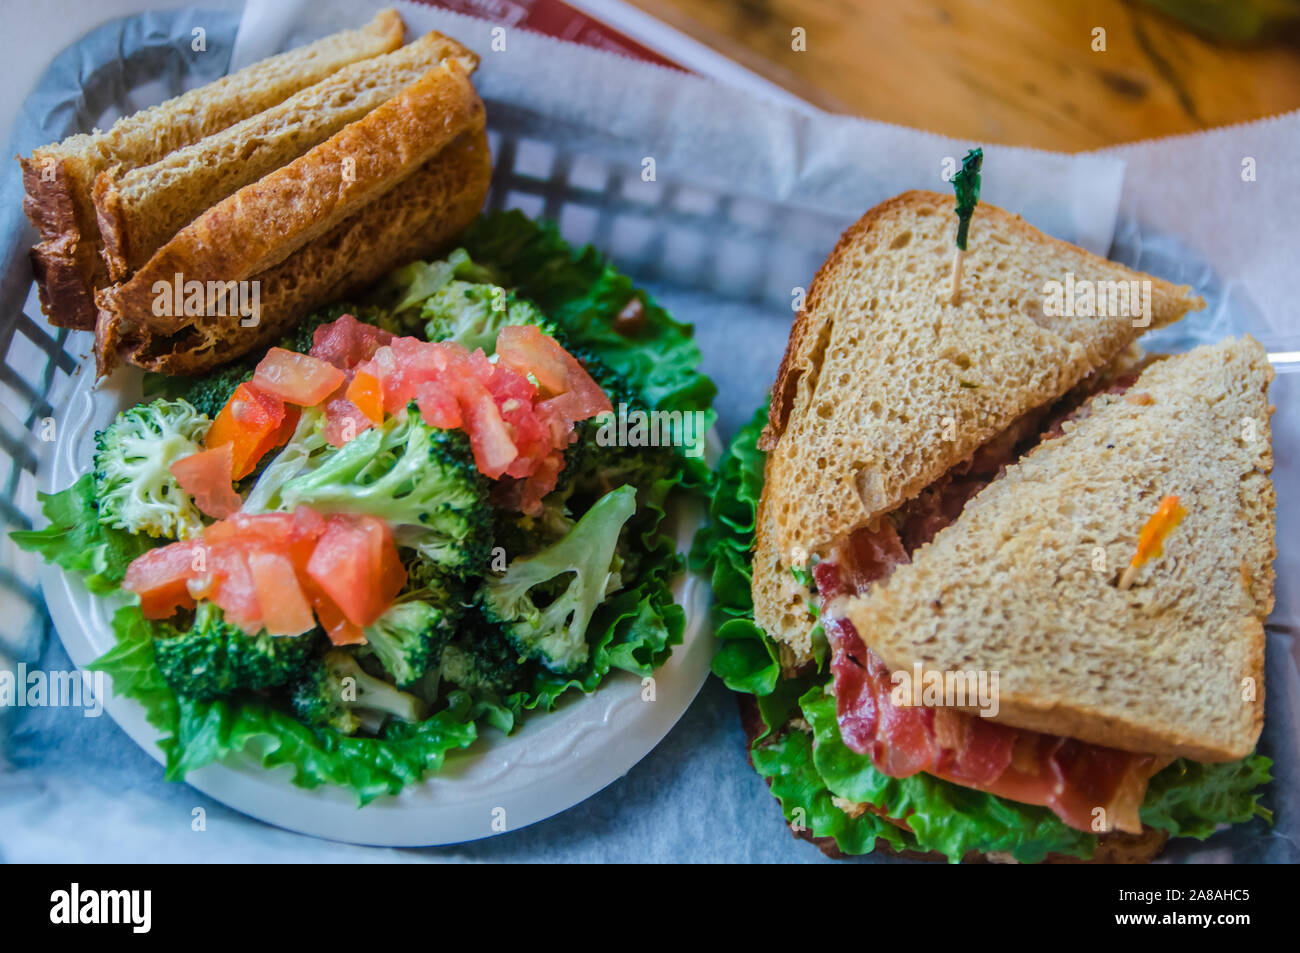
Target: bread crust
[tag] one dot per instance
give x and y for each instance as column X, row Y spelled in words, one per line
column 140, row 209
column 264, row 223
column 63, row 264
column 406, row 223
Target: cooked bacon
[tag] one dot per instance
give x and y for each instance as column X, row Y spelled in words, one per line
column 1069, row 777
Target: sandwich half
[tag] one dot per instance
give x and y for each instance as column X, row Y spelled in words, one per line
column 886, row 387
column 891, row 554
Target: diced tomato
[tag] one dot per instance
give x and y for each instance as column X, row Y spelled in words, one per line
column 206, row 476
column 287, row 427
column 285, row 610
column 251, row 423
column 518, row 412
column 526, row 349
column 234, row 589
column 336, row 625
column 356, row 565
column 531, row 435
column 343, row 421
column 408, row 365
column 308, row 525
column 489, row 438
column 540, row 483
column 296, row 378
column 347, row 342
column 159, row 578
column 252, row 529
column 438, row 405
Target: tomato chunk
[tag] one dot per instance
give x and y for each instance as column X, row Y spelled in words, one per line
column 524, row 348
column 347, row 342
column 207, row 477
column 285, row 610
column 234, row 588
column 296, row 378
column 356, row 565
column 251, row 422
column 343, row 421
column 159, row 578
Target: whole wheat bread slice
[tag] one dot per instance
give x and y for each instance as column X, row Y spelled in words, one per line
column 886, row 384
column 140, row 209
column 264, row 223
column 419, row 218
column 1173, row 666
column 59, row 178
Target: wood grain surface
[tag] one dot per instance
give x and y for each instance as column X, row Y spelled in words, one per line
column 1022, row 72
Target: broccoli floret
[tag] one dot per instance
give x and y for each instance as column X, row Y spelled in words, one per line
column 482, row 660
column 593, row 467
column 336, row 693
column 569, row 579
column 299, row 455
column 214, row 658
column 134, row 486
column 419, row 479
column 409, row 637
column 474, row 314
column 518, row 534
column 405, row 289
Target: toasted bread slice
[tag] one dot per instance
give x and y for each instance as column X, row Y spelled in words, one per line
column 59, row 178
column 140, row 209
column 263, row 223
column 886, row 384
column 1024, row 583
column 417, row 219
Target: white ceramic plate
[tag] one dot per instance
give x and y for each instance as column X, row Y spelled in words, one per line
column 555, row 761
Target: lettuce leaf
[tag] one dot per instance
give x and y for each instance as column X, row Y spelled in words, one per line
column 788, row 764
column 746, row 660
column 196, row 733
column 1187, row 799
column 1190, row 798
column 77, row 541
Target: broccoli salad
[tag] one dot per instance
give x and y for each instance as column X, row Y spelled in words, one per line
column 355, row 551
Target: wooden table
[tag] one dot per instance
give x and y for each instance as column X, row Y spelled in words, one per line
column 1020, row 72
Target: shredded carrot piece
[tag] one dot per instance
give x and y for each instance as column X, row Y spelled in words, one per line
column 1151, row 541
